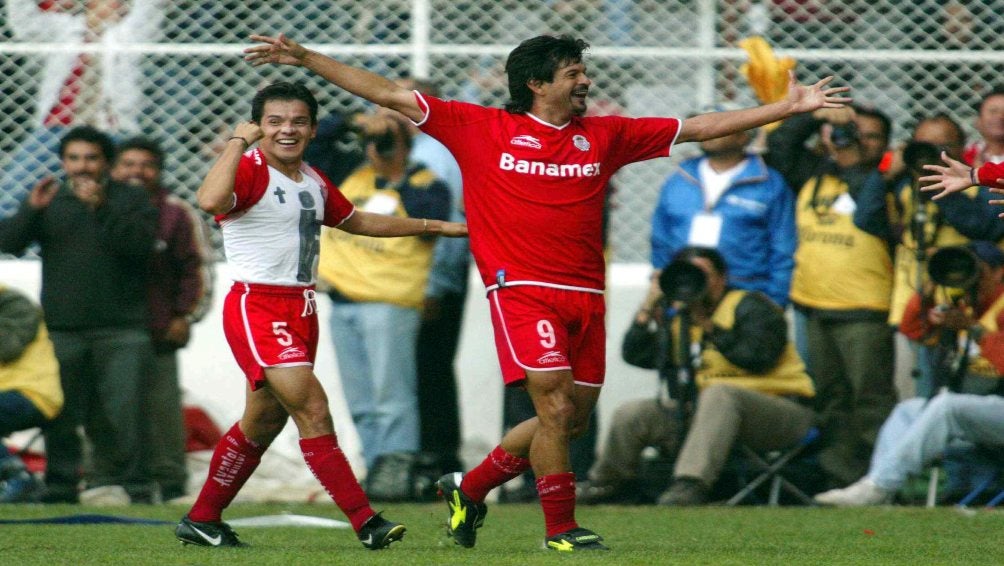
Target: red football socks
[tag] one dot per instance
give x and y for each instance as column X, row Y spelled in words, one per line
column 233, row 462
column 557, row 498
column 496, row 469
column 327, row 461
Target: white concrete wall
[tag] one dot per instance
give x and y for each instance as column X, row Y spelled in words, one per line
column 211, row 379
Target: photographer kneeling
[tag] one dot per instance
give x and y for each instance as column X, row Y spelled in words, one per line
column 960, row 316
column 752, row 385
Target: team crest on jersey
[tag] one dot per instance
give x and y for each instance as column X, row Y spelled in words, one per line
column 580, row 142
column 526, row 141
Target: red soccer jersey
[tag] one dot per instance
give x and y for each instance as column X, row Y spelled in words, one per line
column 534, row 192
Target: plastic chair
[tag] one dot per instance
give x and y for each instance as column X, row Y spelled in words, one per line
column 992, row 460
column 771, row 466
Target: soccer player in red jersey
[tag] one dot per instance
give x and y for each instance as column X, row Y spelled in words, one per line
column 534, row 179
column 270, row 206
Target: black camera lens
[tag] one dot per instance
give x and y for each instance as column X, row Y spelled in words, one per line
column 683, row 281
column 385, row 143
column 916, row 154
column 844, row 135
column 954, row 266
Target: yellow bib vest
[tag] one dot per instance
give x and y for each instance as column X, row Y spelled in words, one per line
column 787, row 377
column 837, row 265
column 35, row 374
column 368, row 269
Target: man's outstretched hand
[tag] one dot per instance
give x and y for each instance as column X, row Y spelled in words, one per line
column 808, row 98
column 950, row 178
column 276, row 50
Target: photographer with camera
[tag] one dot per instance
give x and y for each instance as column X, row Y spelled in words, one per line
column 842, row 282
column 925, row 225
column 960, row 316
column 377, row 289
column 982, row 162
column 733, row 376
column 845, row 138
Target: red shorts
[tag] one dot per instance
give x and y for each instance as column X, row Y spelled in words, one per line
column 270, row 326
column 546, row 329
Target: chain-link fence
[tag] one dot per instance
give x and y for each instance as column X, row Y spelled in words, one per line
column 172, row 70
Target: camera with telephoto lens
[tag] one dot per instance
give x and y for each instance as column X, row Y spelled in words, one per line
column 385, row 143
column 954, row 266
column 843, row 136
column 917, row 154
column 682, row 281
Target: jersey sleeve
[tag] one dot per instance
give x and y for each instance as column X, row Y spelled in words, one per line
column 450, row 122
column 989, row 174
column 640, row 139
column 250, row 183
column 337, row 208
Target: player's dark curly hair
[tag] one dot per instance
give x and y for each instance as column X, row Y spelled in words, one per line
column 283, row 91
column 538, row 58
column 92, row 135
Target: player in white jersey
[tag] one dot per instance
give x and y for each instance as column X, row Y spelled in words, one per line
column 271, row 205
column 534, row 175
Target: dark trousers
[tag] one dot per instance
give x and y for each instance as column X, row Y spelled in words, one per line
column 16, row 413
column 164, row 426
column 102, row 372
column 439, row 411
column 851, row 363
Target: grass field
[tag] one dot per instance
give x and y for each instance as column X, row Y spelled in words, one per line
column 513, row 533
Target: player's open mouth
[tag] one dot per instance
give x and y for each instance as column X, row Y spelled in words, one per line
column 287, row 142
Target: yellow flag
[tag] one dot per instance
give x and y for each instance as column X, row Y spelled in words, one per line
column 767, row 74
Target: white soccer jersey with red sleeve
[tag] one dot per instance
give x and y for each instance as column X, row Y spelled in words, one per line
column 533, row 192
column 272, row 234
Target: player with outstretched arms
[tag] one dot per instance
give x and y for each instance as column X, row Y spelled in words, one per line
column 534, row 177
column 270, row 206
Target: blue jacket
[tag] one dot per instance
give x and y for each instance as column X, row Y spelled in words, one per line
column 758, row 235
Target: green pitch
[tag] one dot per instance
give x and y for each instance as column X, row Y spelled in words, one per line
column 512, row 536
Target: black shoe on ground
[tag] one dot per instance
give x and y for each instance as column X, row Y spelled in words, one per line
column 58, row 494
column 685, row 492
column 169, row 492
column 466, row 515
column 377, row 532
column 215, row 534
column 597, row 493
column 575, row 540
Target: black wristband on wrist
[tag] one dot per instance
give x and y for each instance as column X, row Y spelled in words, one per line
column 973, row 177
column 246, row 143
